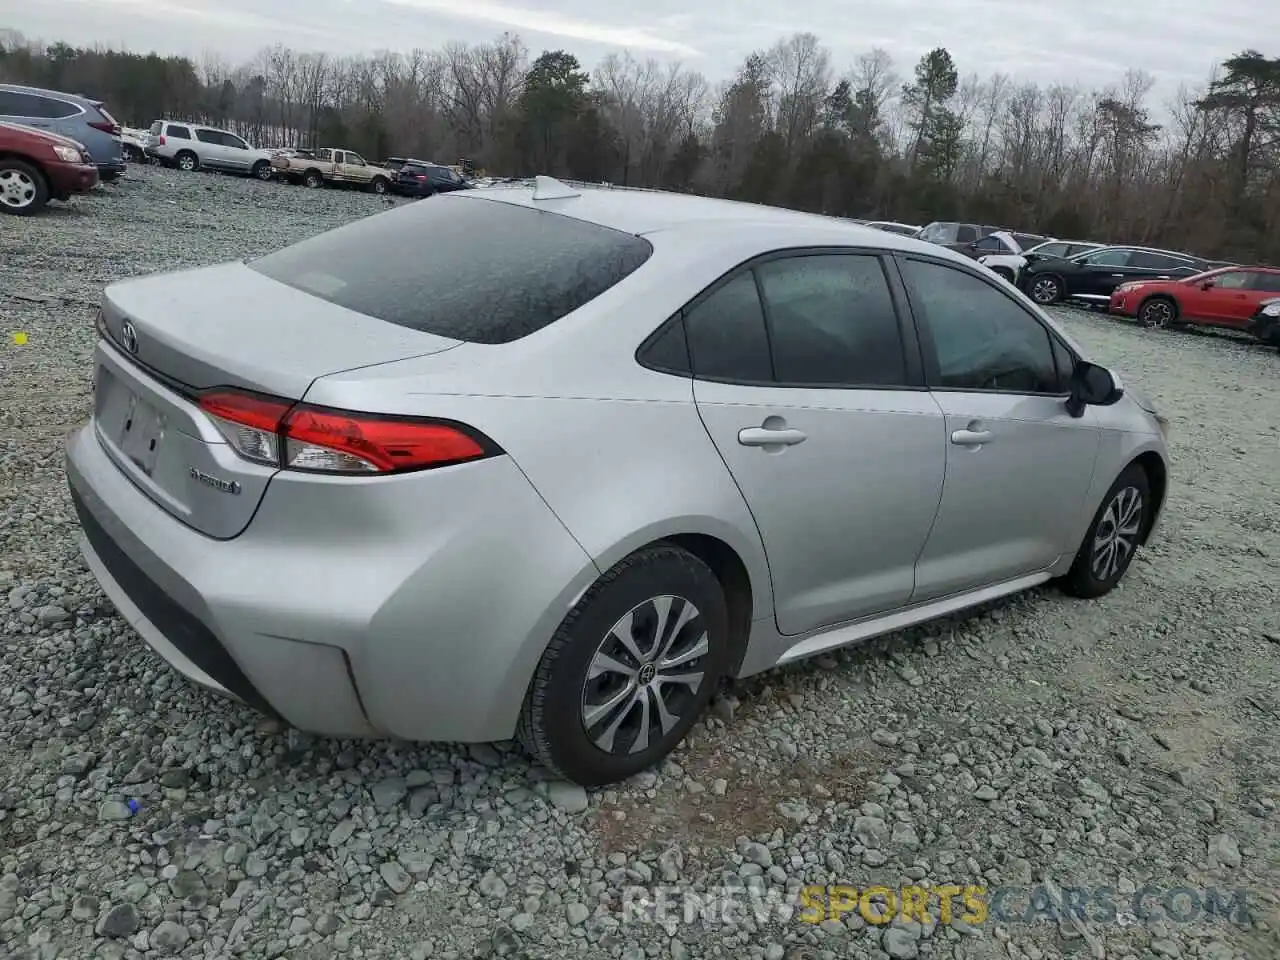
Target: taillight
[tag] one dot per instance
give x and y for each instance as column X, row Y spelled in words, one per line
column 421, row 177
column 299, row 436
column 105, row 127
column 162, row 139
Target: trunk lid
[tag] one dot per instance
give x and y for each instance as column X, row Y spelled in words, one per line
column 172, row 335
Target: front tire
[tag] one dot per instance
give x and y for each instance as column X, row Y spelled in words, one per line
column 629, row 670
column 1003, row 272
column 23, row 190
column 379, row 185
column 1113, row 536
column 262, row 170
column 1045, row 290
column 1158, row 313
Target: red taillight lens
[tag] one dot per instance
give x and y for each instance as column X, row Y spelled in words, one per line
column 421, row 177
column 105, row 127
column 162, row 140
column 272, row 431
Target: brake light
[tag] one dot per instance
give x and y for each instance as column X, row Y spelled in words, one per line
column 299, row 436
column 105, row 127
column 421, row 177
column 162, row 139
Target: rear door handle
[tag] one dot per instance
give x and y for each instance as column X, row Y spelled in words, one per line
column 971, row 438
column 765, row 437
column 1117, row 274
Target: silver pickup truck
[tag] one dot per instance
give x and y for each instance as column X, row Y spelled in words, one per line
column 329, row 165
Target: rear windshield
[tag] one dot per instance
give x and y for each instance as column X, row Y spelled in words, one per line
column 477, row 270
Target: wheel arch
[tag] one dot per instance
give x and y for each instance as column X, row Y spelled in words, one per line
column 1159, row 295
column 1157, row 472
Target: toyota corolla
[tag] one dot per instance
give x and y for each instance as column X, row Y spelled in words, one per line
column 600, row 451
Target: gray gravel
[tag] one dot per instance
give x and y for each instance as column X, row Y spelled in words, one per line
column 1043, row 742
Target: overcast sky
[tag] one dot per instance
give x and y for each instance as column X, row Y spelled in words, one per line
column 1090, row 42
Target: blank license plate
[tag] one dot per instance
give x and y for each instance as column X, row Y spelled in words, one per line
column 141, row 431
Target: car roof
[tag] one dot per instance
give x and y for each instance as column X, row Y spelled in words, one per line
column 1160, row 250
column 642, row 212
column 77, row 98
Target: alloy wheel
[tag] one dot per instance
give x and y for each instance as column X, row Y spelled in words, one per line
column 645, row 673
column 17, row 189
column 1116, row 536
column 1045, row 290
column 187, row 163
column 1157, row 313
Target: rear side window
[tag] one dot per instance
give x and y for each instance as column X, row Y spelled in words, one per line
column 496, row 272
column 1156, row 261
column 179, row 133
column 726, row 332
column 1267, row 282
column 1026, row 241
column 832, row 321
column 966, row 234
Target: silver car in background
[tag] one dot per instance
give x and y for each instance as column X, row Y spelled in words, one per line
column 597, row 452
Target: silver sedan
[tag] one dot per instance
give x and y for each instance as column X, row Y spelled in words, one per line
column 554, row 462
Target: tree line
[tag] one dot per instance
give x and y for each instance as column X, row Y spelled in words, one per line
column 788, row 128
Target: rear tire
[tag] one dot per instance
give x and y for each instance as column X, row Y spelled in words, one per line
column 602, row 705
column 1158, row 313
column 23, row 189
column 1113, row 536
column 1045, row 290
column 187, row 161
column 313, row 179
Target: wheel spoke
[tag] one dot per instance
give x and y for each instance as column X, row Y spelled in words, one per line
column 594, row 714
column 605, row 740
column 666, row 719
column 687, row 612
column 699, row 649
column 602, row 663
column 662, row 610
column 624, row 632
column 641, row 742
column 690, row 680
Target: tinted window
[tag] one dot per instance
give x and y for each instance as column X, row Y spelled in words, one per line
column 831, row 321
column 982, row 339
column 208, row 136
column 726, row 334
column 1156, row 261
column 966, row 234
column 1026, row 241
column 231, row 140
column 28, row 105
column 1267, row 282
column 1108, row 258
column 1062, row 360
column 181, row 133
column 1053, row 249
column 668, row 351
column 992, row 245
column 1075, row 248
column 497, row 272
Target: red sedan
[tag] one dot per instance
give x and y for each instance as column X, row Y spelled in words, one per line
column 1225, row 297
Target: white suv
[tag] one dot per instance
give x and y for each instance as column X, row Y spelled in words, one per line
column 190, row 146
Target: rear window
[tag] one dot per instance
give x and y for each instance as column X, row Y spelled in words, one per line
column 493, row 272
column 156, row 128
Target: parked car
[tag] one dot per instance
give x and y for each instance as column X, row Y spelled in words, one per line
column 1092, row 277
column 892, row 226
column 418, row 179
column 1010, row 265
column 37, row 166
column 332, row 166
column 326, row 532
column 193, row 146
column 69, row 115
column 955, row 236
column 1226, row 297
column 1265, row 322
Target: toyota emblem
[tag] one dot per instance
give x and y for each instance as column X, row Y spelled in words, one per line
column 129, row 337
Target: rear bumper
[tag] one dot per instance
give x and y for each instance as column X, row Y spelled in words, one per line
column 68, row 178
column 375, row 616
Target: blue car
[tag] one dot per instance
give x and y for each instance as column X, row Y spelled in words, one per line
column 70, row 115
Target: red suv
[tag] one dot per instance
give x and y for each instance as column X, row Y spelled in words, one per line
column 1225, row 297
column 36, row 166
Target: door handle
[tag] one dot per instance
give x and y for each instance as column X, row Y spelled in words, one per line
column 770, row 437
column 971, row 438
column 1117, row 274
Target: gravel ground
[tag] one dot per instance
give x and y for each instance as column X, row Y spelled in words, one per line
column 1042, row 743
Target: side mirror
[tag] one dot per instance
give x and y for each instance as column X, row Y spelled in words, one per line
column 1208, row 285
column 1092, row 386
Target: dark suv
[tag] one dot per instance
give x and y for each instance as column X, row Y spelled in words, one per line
column 1094, row 276
column 418, row 179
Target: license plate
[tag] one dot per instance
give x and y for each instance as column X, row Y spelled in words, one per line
column 141, row 431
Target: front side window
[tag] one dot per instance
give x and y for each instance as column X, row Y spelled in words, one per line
column 939, row 233
column 832, row 321
column 234, row 142
column 1232, row 280
column 981, row 338
column 966, row 234
column 355, row 159
column 209, row 136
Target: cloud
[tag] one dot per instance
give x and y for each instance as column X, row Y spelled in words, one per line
column 556, row 24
